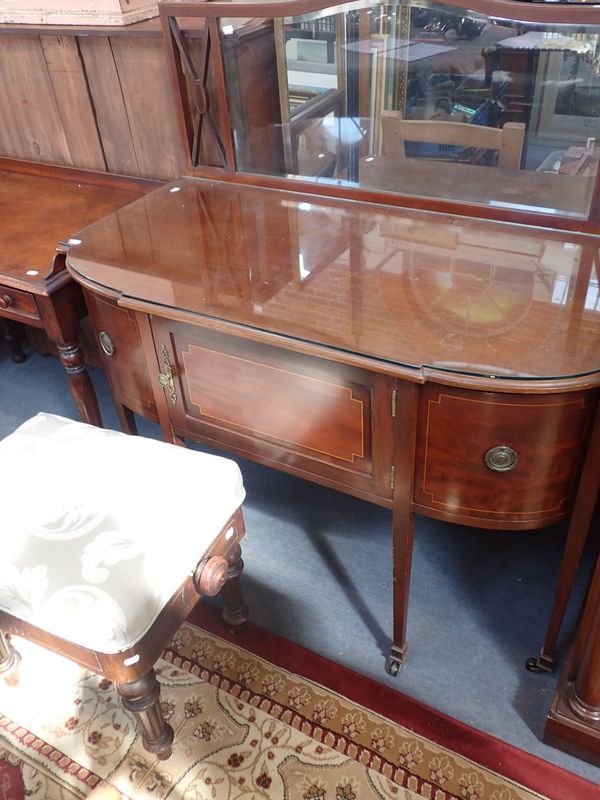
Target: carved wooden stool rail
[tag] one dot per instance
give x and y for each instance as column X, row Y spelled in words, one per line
column 107, row 554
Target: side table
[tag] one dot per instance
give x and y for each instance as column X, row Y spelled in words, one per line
column 40, row 207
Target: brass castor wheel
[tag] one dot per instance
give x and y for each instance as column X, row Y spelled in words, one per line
column 393, row 666
column 542, row 663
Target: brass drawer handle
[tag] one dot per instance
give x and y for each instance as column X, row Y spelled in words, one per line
column 106, row 343
column 501, row 458
column 165, row 378
column 5, row 301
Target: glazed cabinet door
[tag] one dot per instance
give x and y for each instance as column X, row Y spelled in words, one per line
column 318, row 419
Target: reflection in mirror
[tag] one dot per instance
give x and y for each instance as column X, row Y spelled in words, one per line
column 428, row 100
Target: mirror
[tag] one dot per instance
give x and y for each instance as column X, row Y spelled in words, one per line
column 420, row 99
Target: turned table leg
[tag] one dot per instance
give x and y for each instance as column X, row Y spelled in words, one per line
column 80, row 383
column 9, row 332
column 60, row 314
column 142, row 698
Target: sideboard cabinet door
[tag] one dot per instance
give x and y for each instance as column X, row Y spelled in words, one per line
column 121, row 348
column 304, row 413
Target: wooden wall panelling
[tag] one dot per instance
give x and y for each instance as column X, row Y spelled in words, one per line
column 111, row 113
column 6, row 117
column 32, row 121
column 71, row 91
column 98, row 101
column 142, row 69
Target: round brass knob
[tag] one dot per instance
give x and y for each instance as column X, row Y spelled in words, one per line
column 501, row 458
column 5, row 301
column 106, row 343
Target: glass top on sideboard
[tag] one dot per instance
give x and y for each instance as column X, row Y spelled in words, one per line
column 421, row 99
column 414, row 289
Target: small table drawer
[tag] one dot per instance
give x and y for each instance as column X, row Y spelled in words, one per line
column 18, row 303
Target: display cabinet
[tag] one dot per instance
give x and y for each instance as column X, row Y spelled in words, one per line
column 433, row 346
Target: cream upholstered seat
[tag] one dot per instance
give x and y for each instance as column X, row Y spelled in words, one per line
column 102, row 537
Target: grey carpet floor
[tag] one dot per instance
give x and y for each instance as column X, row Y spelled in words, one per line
column 318, row 572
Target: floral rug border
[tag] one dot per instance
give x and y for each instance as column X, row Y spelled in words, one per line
column 336, row 741
column 429, row 770
column 224, row 676
column 28, row 744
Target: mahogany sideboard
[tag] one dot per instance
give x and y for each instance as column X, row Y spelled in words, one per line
column 442, row 361
column 463, row 399
column 423, row 362
column 40, row 208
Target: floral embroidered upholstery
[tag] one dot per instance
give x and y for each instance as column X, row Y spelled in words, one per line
column 112, row 529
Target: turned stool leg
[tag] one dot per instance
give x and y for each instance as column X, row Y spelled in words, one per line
column 9, row 661
column 142, row 698
column 235, row 610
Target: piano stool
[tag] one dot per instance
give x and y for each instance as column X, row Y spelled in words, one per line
column 105, row 559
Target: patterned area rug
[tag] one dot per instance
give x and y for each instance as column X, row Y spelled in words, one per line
column 244, row 728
